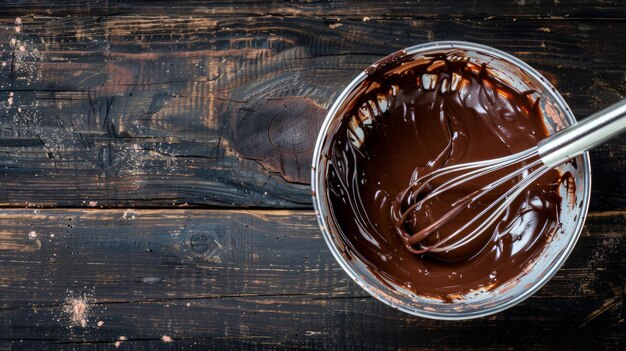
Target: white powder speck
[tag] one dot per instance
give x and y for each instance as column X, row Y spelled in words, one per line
column 32, row 234
column 77, row 308
column 120, row 340
column 129, row 214
column 166, row 338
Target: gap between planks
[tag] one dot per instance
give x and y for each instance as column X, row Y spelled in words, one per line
column 246, row 210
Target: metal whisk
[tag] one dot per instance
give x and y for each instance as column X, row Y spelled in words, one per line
column 532, row 164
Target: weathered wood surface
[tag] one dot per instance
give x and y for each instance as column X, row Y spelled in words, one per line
column 166, row 104
column 261, row 279
column 196, row 109
column 343, row 8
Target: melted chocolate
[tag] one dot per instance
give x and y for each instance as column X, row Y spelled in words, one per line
column 415, row 117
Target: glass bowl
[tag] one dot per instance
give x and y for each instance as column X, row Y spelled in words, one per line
column 538, row 272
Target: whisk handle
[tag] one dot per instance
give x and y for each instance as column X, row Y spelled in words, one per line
column 587, row 134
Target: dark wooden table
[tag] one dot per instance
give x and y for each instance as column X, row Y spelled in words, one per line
column 154, row 170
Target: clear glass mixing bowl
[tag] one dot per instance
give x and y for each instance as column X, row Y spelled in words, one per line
column 557, row 115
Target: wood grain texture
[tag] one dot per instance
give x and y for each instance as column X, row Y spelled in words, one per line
column 162, row 111
column 164, row 104
column 342, row 9
column 261, row 279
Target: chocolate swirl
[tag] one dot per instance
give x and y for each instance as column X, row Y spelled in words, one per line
column 411, row 119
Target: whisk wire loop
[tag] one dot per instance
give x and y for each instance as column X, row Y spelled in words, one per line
column 471, row 171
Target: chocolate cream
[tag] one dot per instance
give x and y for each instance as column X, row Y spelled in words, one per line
column 410, row 118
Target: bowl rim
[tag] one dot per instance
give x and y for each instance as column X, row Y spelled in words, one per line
column 383, row 296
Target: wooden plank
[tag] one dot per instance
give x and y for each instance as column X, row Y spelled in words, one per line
column 260, row 279
column 313, row 324
column 190, row 111
column 337, row 8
